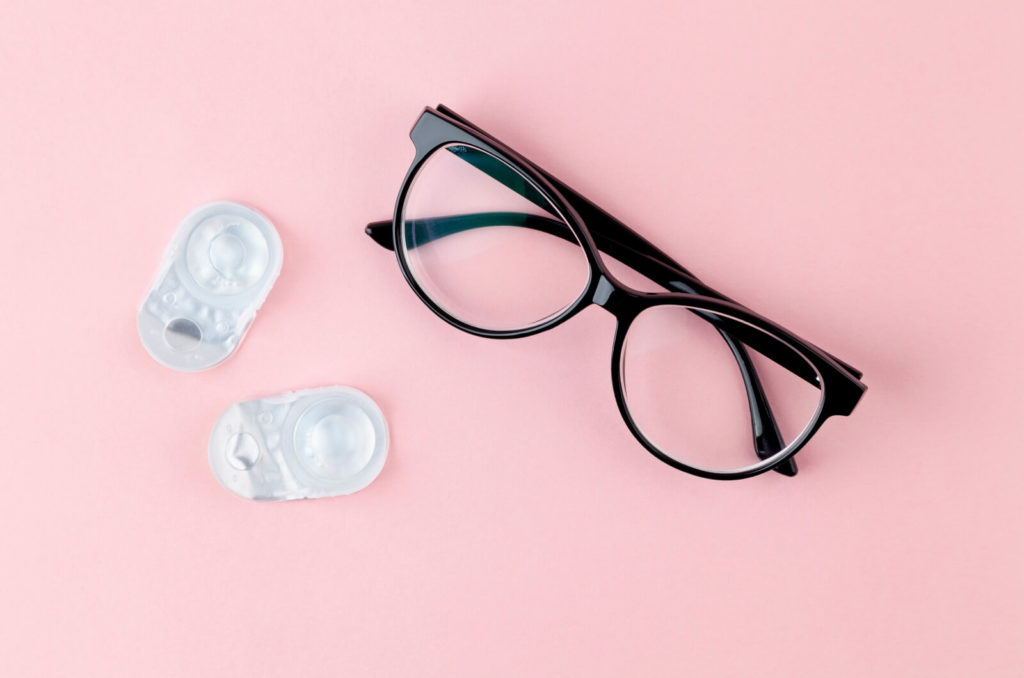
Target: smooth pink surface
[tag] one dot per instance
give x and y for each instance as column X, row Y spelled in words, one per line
column 852, row 170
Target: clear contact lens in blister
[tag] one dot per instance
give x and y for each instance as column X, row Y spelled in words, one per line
column 215, row 274
column 318, row 442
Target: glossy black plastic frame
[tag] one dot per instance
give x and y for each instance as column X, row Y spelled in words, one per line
column 597, row 230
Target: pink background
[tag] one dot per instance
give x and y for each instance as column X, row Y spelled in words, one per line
column 874, row 149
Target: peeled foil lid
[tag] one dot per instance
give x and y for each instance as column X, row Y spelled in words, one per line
column 319, row 442
column 215, row 274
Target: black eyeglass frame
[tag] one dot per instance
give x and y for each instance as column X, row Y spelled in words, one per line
column 597, row 230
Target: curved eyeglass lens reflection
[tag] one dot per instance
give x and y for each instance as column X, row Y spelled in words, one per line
column 485, row 245
column 689, row 392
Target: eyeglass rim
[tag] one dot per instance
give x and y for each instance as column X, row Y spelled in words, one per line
column 427, row 140
column 491, row 333
column 654, row 300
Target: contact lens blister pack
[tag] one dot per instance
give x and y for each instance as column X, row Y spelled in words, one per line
column 319, row 442
column 215, row 274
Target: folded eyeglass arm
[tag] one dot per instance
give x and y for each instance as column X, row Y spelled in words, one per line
column 767, row 438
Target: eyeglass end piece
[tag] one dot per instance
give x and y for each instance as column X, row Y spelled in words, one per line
column 380, row 231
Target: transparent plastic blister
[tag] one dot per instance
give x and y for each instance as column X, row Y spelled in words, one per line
column 215, row 274
column 319, row 442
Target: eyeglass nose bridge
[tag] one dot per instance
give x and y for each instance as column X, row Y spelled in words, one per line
column 612, row 298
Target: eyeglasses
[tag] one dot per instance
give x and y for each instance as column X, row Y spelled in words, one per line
column 500, row 248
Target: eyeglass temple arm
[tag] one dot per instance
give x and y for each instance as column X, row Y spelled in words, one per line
column 608, row 232
column 767, row 439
